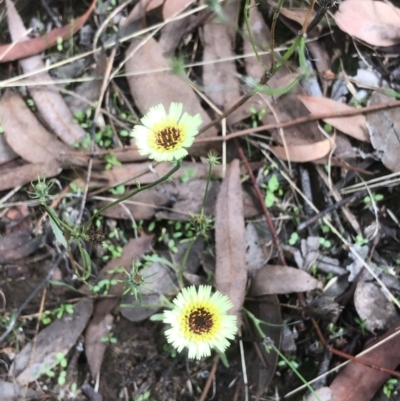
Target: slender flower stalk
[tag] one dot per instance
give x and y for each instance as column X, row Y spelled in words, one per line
column 199, row 321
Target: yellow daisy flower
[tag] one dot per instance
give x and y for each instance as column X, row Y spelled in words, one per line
column 199, row 321
column 164, row 136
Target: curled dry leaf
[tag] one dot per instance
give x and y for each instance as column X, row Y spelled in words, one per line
column 47, row 98
column 231, row 270
column 273, row 279
column 355, row 126
column 375, row 22
column 305, row 153
column 26, row 48
column 40, row 356
column 26, row 136
column 151, row 88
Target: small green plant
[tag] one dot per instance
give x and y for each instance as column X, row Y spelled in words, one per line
column 294, row 237
column 114, row 251
column 291, row 361
column 60, row 46
column 376, row 197
column 111, row 161
column 103, row 286
column 58, row 313
column 360, row 240
column 110, row 338
column 325, row 242
column 62, row 361
column 118, row 190
column 188, row 174
column 389, row 387
column 142, row 397
column 272, row 188
column 362, row 324
column 256, row 116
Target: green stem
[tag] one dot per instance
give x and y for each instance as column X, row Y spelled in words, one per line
column 203, row 206
column 257, row 324
column 183, row 262
column 287, row 55
column 136, row 191
column 54, row 216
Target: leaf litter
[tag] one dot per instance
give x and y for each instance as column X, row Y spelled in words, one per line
column 247, row 264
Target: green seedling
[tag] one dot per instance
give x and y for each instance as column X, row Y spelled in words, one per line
column 376, row 197
column 360, row 240
column 324, row 242
column 188, row 174
column 389, row 387
column 362, row 323
column 58, row 313
column 256, row 116
column 118, row 190
column 60, row 46
column 272, row 189
column 111, row 161
column 294, row 237
column 104, row 285
column 110, row 338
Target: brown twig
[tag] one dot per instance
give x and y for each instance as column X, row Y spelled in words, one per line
column 298, row 121
column 209, row 379
column 261, row 201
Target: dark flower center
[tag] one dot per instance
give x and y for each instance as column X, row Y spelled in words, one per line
column 200, row 321
column 168, row 138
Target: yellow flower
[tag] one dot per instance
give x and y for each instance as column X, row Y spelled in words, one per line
column 163, row 136
column 199, row 321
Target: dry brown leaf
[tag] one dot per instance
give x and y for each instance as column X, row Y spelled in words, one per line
column 261, row 364
column 355, row 126
column 272, row 279
column 6, row 152
column 305, row 153
column 17, row 245
column 373, row 307
column 94, row 346
column 162, row 87
column 296, row 14
column 174, row 7
column 27, row 137
column 384, row 128
column 141, row 8
column 47, row 98
column 59, row 337
column 357, row 382
column 231, row 270
column 375, row 22
column 26, row 48
column 220, row 79
column 13, row 392
column 21, row 175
